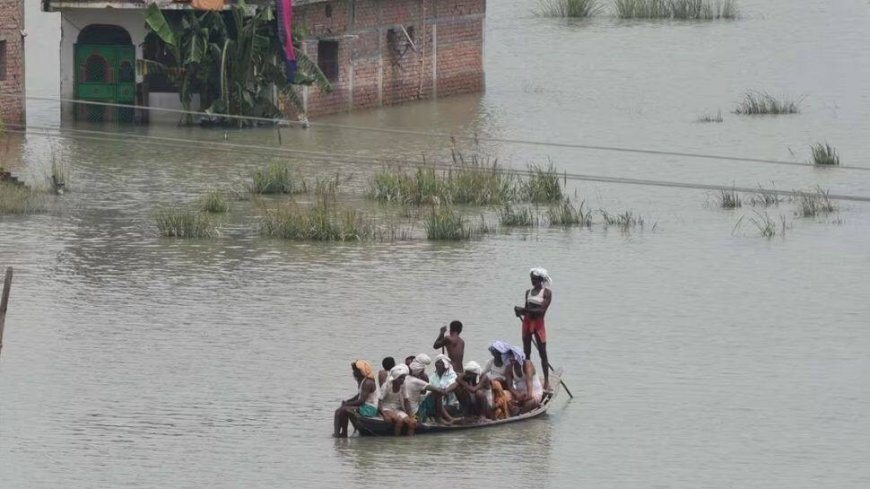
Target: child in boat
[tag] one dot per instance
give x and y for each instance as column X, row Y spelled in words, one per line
column 454, row 345
column 364, row 403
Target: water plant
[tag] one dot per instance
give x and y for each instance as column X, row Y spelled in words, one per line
column 625, row 221
column 811, row 204
column 729, row 199
column 825, row 155
column 676, row 9
column 445, row 224
column 510, row 216
column 766, row 226
column 16, row 198
column 184, row 223
column 764, row 198
column 322, row 221
column 542, row 185
column 213, row 202
column 710, row 117
column 568, row 8
column 763, row 103
column 567, row 214
column 275, row 178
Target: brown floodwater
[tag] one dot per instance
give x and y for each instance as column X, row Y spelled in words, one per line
column 699, row 354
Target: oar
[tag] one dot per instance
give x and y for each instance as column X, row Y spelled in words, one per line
column 535, row 340
column 4, row 302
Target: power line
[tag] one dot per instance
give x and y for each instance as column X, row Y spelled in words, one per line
column 506, row 171
column 428, row 134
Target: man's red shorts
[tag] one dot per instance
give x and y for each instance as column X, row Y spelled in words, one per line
column 535, row 325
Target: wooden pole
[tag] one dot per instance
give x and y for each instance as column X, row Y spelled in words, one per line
column 4, row 302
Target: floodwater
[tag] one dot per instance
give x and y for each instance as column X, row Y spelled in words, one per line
column 699, row 354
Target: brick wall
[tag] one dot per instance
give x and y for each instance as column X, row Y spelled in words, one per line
column 377, row 66
column 11, row 25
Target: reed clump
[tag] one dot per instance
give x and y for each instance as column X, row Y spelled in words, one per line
column 624, row 221
column 763, row 198
column 213, row 202
column 275, row 178
column 568, row 8
column 322, row 221
column 825, row 155
column 764, row 225
column 729, row 199
column 510, row 216
column 16, row 198
column 812, row 204
column 184, row 223
column 567, row 214
column 763, row 103
column 676, row 9
column 445, row 224
column 709, row 117
column 541, row 186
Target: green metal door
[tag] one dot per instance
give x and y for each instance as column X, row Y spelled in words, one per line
column 106, row 74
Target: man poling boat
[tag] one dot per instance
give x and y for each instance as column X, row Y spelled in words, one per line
column 538, row 300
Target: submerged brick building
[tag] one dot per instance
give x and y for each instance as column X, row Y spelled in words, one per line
column 12, row 62
column 374, row 52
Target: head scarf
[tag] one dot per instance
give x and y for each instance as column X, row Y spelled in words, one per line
column 419, row 364
column 365, row 368
column 505, row 349
column 542, row 273
column 445, row 359
column 473, row 368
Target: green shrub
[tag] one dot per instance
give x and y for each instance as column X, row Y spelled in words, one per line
column 183, row 223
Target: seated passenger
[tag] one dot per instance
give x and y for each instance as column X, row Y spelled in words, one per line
column 496, row 367
column 524, row 384
column 392, row 401
column 414, row 390
column 435, row 405
column 364, row 403
column 473, row 391
column 500, row 401
column 418, row 366
column 387, row 364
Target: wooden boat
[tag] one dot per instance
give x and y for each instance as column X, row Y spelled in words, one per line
column 376, row 426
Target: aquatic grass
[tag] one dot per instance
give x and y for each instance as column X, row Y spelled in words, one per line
column 676, row 9
column 568, row 8
column 709, row 117
column 474, row 179
column 729, row 199
column 567, row 214
column 624, row 221
column 763, row 198
column 811, row 204
column 542, row 185
column 213, row 202
column 510, row 216
column 825, row 155
column 16, row 198
column 763, row 103
column 275, row 178
column 322, row 221
column 765, row 226
column 184, row 223
column 445, row 224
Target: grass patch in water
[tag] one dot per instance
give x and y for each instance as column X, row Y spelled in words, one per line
column 184, row 223
column 275, row 178
column 763, row 103
column 510, row 216
column 16, row 198
column 825, row 155
column 812, row 204
column 213, row 202
column 765, row 226
column 676, row 9
column 445, row 224
column 567, row 214
column 541, row 186
column 709, row 117
column 323, row 221
column 624, row 221
column 762, row 198
column 568, row 8
column 729, row 199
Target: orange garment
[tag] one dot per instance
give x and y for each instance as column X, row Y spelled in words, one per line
column 499, row 401
column 207, row 4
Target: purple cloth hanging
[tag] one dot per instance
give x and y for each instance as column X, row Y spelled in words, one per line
column 285, row 34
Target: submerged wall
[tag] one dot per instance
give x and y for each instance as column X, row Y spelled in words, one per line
column 12, row 62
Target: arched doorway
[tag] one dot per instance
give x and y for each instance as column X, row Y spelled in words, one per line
column 105, row 72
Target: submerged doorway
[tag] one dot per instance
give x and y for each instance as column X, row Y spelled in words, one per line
column 105, row 72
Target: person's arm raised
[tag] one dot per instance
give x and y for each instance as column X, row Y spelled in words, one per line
column 442, row 340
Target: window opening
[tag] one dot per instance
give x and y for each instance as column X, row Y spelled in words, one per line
column 327, row 59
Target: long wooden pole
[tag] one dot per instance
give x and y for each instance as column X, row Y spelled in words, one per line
column 4, row 302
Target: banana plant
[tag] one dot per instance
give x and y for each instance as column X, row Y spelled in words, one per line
column 231, row 59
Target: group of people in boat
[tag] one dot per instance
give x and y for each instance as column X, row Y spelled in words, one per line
column 405, row 394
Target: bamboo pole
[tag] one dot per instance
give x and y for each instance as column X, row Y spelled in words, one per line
column 4, row 302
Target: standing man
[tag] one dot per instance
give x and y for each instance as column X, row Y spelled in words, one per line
column 454, row 345
column 538, row 300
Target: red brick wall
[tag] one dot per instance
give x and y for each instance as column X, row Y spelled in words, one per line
column 374, row 71
column 11, row 25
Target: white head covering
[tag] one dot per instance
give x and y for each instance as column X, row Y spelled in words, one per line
column 473, row 367
column 505, row 349
column 419, row 364
column 541, row 272
column 445, row 359
column 395, row 373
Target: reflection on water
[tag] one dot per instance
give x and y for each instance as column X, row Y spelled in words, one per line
column 699, row 356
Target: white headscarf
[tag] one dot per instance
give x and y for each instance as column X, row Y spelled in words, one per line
column 419, row 364
column 395, row 373
column 473, row 367
column 542, row 273
column 445, row 360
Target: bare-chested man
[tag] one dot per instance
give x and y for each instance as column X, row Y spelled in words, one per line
column 454, row 345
